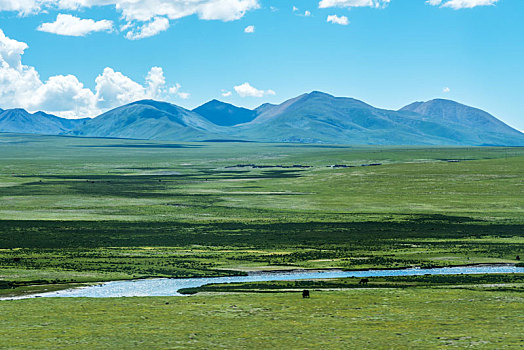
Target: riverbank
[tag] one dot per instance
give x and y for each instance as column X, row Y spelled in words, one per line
column 181, row 286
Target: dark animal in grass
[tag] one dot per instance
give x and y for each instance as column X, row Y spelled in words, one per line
column 517, row 258
column 305, row 293
column 364, row 281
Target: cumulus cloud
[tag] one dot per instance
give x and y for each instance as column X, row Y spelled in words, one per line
column 154, row 13
column 446, row 90
column 307, row 13
column 246, row 90
column 114, row 88
column 353, row 3
column 249, row 29
column 461, row 4
column 22, row 7
column 342, row 20
column 226, row 93
column 157, row 25
column 65, row 95
column 143, row 10
column 73, row 26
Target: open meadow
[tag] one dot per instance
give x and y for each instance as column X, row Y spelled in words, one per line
column 80, row 210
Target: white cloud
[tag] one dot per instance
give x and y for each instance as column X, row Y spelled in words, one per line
column 224, row 10
column 22, row 7
column 65, row 95
column 155, row 12
column 226, row 93
column 114, row 88
column 175, row 91
column 246, row 90
column 461, row 4
column 342, row 20
column 306, row 13
column 446, row 90
column 249, row 29
column 157, row 25
column 73, row 26
column 353, row 3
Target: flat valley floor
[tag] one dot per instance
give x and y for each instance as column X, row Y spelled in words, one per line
column 80, row 210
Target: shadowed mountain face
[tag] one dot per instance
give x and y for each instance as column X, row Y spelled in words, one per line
column 309, row 118
column 151, row 120
column 21, row 121
column 225, row 114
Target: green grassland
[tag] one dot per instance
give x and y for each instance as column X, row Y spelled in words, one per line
column 78, row 210
column 75, row 210
column 418, row 318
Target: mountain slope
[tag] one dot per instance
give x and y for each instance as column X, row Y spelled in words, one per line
column 309, row 118
column 484, row 128
column 322, row 118
column 148, row 119
column 225, row 114
column 21, row 121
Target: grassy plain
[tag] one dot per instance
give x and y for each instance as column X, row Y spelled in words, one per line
column 415, row 318
column 76, row 210
column 83, row 210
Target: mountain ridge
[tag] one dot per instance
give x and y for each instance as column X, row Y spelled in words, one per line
column 315, row 117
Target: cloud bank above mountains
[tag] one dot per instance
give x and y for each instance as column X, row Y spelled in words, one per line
column 65, row 95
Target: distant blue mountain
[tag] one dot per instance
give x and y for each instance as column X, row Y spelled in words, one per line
column 321, row 118
column 479, row 127
column 225, row 114
column 148, row 119
column 20, row 121
column 316, row 117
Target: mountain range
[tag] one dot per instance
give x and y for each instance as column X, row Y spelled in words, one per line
column 315, row 117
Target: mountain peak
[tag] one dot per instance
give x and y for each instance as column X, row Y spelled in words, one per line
column 225, row 114
column 319, row 93
column 20, row 121
column 454, row 113
column 314, row 117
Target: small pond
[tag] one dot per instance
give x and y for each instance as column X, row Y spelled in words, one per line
column 171, row 286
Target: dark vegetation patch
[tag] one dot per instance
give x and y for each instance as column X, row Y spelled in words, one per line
column 182, row 249
column 371, row 235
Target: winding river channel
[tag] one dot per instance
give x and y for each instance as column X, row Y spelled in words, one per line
column 171, row 286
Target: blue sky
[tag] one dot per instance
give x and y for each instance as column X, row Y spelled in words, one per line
column 81, row 57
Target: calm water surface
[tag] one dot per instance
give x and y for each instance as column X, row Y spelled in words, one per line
column 171, row 286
